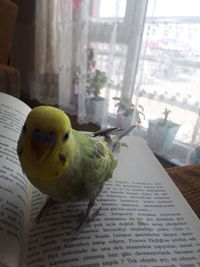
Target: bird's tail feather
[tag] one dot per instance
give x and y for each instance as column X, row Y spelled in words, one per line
column 125, row 132
column 114, row 141
column 116, row 144
column 106, row 131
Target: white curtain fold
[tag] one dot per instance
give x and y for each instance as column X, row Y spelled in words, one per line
column 51, row 82
column 82, row 28
column 65, row 30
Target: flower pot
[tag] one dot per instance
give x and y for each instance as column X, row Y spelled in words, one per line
column 94, row 109
column 88, row 107
column 124, row 122
column 160, row 137
column 196, row 156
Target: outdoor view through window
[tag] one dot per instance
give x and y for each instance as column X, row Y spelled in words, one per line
column 168, row 73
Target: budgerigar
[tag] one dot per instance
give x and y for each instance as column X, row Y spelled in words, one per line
column 63, row 163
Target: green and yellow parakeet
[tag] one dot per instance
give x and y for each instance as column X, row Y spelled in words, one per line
column 61, row 162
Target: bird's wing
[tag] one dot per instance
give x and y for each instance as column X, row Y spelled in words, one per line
column 103, row 163
column 96, row 163
column 117, row 135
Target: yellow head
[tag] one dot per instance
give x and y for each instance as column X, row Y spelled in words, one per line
column 45, row 138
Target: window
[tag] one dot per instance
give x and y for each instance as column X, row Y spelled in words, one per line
column 170, row 67
column 108, row 9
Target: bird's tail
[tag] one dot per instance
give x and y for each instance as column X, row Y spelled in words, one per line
column 113, row 136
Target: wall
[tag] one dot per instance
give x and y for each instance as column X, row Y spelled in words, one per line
column 23, row 43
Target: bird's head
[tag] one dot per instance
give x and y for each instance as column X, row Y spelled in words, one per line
column 46, row 128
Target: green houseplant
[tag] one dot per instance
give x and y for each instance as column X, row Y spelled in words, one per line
column 94, row 102
column 125, row 111
column 96, row 80
column 161, row 133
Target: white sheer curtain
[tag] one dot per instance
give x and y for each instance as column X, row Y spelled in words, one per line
column 51, row 82
column 117, row 63
column 86, row 53
column 168, row 79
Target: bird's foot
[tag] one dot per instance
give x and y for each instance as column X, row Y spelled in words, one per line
column 81, row 215
column 123, row 144
column 87, row 218
column 94, row 214
column 48, row 203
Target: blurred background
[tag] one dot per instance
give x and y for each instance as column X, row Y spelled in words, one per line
column 116, row 63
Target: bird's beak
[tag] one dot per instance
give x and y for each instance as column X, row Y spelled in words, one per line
column 41, row 144
column 41, row 150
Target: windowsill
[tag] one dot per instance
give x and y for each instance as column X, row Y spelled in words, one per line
column 176, row 157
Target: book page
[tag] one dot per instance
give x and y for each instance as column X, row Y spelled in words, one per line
column 14, row 187
column 144, row 221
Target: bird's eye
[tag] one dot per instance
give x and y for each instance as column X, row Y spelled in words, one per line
column 24, row 128
column 65, row 137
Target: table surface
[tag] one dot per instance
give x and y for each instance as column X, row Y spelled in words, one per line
column 187, row 179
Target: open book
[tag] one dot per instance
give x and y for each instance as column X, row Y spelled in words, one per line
column 144, row 221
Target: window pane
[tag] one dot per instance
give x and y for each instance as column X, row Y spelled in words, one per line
column 109, row 8
column 170, row 68
column 172, row 73
column 169, row 8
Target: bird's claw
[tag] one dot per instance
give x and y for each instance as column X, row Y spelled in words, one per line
column 44, row 210
column 86, row 219
column 123, row 144
column 91, row 218
column 81, row 215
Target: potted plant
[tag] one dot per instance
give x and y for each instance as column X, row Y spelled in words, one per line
column 91, row 64
column 95, row 103
column 161, row 133
column 125, row 111
column 96, row 80
column 195, row 157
